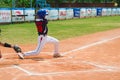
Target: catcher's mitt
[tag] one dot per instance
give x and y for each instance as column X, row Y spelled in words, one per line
column 17, row 49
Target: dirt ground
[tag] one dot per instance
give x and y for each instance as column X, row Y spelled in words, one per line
column 90, row 57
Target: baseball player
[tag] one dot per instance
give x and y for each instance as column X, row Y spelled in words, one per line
column 41, row 25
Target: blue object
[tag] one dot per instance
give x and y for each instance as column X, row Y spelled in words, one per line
column 42, row 13
column 99, row 11
column 76, row 12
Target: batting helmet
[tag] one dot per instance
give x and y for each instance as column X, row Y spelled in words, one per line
column 42, row 13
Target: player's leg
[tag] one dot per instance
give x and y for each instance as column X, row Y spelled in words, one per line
column 56, row 45
column 41, row 43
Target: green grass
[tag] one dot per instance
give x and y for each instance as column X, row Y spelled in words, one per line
column 25, row 33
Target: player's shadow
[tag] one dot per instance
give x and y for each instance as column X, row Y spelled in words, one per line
column 40, row 57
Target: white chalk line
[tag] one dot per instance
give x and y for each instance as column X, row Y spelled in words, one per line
column 22, row 69
column 90, row 45
column 65, row 72
column 68, row 72
column 106, row 67
column 102, row 68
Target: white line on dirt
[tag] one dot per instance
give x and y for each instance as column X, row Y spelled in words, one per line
column 106, row 67
column 22, row 69
column 90, row 45
column 71, row 72
column 102, row 68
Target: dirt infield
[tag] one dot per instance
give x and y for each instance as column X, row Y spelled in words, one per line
column 91, row 57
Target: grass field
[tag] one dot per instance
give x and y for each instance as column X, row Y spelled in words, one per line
column 25, row 33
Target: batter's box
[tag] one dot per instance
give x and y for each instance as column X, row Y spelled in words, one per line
column 53, row 67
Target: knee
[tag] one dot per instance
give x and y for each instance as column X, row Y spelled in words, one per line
column 36, row 52
column 57, row 41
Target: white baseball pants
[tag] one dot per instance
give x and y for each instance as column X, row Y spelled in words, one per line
column 41, row 42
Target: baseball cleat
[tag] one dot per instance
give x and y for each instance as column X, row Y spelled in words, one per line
column 57, row 55
column 20, row 55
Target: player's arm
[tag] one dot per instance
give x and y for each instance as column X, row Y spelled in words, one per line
column 6, row 45
column 15, row 47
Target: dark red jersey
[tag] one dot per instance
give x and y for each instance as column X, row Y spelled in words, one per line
column 41, row 25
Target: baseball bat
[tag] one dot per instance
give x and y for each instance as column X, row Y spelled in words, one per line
column 22, row 15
